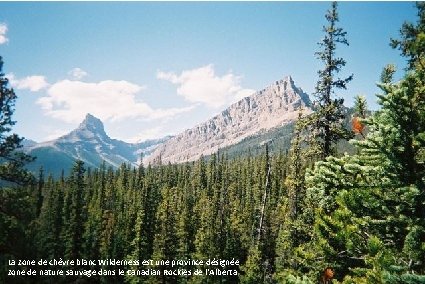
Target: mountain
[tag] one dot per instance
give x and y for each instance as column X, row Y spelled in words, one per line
column 278, row 139
column 27, row 143
column 267, row 116
column 89, row 143
column 274, row 107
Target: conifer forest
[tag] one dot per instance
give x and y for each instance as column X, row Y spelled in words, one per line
column 312, row 214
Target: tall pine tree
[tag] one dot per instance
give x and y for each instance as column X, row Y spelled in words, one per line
column 74, row 225
column 326, row 125
column 16, row 207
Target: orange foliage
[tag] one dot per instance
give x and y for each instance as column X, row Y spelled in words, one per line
column 327, row 275
column 357, row 126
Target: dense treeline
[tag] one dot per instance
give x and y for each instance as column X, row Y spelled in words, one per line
column 353, row 213
column 286, row 217
column 216, row 209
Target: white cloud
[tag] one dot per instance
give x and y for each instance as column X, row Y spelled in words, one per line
column 202, row 85
column 33, row 83
column 54, row 134
column 151, row 133
column 3, row 31
column 70, row 101
column 78, row 73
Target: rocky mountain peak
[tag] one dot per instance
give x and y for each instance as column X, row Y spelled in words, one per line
column 286, row 91
column 92, row 124
column 90, row 144
column 274, row 106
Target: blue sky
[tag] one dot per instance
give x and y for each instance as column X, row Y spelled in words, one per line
column 149, row 69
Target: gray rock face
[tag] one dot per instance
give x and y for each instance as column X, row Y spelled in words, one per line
column 274, row 106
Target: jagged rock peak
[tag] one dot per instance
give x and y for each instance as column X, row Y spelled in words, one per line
column 272, row 107
column 286, row 89
column 92, row 124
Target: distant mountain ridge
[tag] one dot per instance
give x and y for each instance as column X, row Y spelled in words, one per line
column 275, row 106
column 89, row 143
column 265, row 115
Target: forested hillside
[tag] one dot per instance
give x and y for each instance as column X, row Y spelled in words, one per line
column 309, row 215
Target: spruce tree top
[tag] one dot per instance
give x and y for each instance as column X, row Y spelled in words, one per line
column 327, row 81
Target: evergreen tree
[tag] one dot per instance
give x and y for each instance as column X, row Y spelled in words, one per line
column 92, row 232
column 252, row 270
column 39, row 193
column 290, row 235
column 47, row 236
column 326, row 125
column 17, row 209
column 412, row 42
column 166, row 241
column 374, row 201
column 186, row 219
column 13, row 161
column 74, row 226
column 377, row 220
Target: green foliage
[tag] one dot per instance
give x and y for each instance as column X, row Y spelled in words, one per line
column 291, row 279
column 75, row 217
column 388, row 73
column 285, row 217
column 278, row 139
column 16, row 210
column 370, row 215
column 252, row 268
column 412, row 42
column 12, row 161
column 360, row 106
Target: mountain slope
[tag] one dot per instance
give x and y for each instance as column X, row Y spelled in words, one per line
column 272, row 107
column 279, row 139
column 89, row 143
